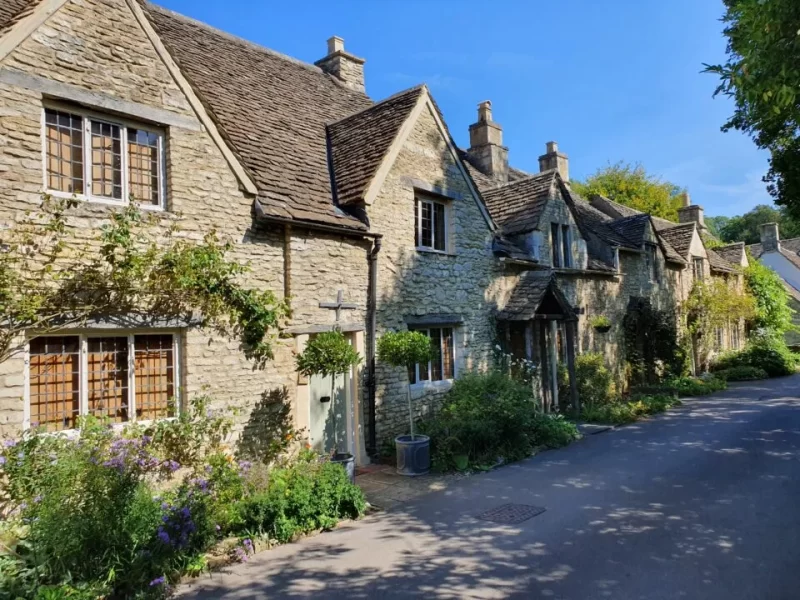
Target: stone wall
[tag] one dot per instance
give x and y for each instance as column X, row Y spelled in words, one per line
column 97, row 45
column 417, row 283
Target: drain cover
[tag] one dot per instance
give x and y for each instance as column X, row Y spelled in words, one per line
column 511, row 514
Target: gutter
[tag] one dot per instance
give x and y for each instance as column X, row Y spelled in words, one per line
column 372, row 310
column 261, row 216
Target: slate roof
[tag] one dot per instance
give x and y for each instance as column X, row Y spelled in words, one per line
column 632, row 227
column 679, row 237
column 517, row 206
column 599, row 223
column 359, row 142
column 791, row 245
column 732, row 253
column 718, row 263
column 272, row 110
column 12, row 11
column 528, row 294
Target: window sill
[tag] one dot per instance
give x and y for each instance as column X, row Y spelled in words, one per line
column 418, row 390
column 101, row 201
column 116, row 427
column 424, row 250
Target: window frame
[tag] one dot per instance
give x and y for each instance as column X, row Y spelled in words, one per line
column 444, row 380
column 651, row 258
column 566, row 246
column 556, row 245
column 83, row 371
column 419, row 200
column 697, row 261
column 88, row 117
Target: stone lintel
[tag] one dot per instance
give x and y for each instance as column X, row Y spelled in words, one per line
column 434, row 319
column 424, row 186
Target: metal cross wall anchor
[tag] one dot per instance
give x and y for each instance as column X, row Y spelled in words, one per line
column 339, row 305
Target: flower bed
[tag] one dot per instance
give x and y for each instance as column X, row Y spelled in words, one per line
column 107, row 514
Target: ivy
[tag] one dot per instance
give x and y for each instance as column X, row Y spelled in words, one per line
column 652, row 348
column 772, row 310
column 52, row 277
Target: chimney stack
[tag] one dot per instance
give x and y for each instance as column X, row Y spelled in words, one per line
column 770, row 239
column 486, row 151
column 346, row 67
column 555, row 160
column 691, row 213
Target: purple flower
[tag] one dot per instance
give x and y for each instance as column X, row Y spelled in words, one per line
column 2, row 460
column 172, row 465
column 9, row 443
column 158, row 581
column 248, row 544
column 164, row 506
column 245, row 465
column 163, row 535
column 38, row 499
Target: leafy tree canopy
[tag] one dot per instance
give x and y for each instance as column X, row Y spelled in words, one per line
column 747, row 227
column 633, row 186
column 772, row 311
column 762, row 76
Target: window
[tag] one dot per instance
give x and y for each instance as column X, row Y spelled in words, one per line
column 555, row 246
column 734, row 336
column 719, row 338
column 100, row 159
column 566, row 241
column 697, row 268
column 441, row 366
column 431, row 224
column 651, row 258
column 121, row 377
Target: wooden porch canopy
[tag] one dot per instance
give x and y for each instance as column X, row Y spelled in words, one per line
column 538, row 298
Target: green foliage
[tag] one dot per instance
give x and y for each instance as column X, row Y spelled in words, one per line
column 51, row 278
column 772, row 311
column 621, row 413
column 742, row 373
column 595, row 382
column 714, row 304
column 404, row 348
column 652, row 348
column 688, row 387
column 765, row 351
column 486, row 417
column 301, row 498
column 600, row 321
column 761, row 75
column 633, row 186
column 328, row 354
column 747, row 227
column 100, row 514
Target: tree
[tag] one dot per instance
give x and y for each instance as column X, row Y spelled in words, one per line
column 405, row 349
column 762, row 76
column 747, row 227
column 772, row 310
column 633, row 186
column 715, row 225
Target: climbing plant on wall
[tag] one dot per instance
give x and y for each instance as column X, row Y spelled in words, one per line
column 651, row 343
column 54, row 275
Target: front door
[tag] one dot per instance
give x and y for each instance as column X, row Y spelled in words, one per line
column 331, row 414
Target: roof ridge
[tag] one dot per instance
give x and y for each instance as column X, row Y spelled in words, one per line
column 395, row 96
column 521, row 181
column 235, row 38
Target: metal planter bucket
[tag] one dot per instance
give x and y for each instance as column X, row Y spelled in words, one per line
column 348, row 463
column 413, row 454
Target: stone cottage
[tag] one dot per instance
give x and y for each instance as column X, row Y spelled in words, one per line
column 362, row 215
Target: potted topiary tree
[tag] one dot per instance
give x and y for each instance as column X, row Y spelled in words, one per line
column 406, row 349
column 330, row 354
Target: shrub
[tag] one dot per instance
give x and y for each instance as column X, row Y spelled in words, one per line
column 742, row 373
column 489, row 416
column 765, row 351
column 621, row 413
column 595, row 382
column 301, row 498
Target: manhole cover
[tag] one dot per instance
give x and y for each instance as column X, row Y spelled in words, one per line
column 511, row 514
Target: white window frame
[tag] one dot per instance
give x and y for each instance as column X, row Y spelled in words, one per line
column 83, row 392
column 418, row 202
column 698, row 260
column 433, row 382
column 88, row 117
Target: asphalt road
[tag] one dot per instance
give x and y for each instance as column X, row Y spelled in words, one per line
column 703, row 502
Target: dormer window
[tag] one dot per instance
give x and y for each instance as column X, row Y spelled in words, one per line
column 651, row 258
column 697, row 268
column 561, row 245
column 430, row 218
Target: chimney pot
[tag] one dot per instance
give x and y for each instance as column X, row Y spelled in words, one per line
column 686, row 200
column 486, row 151
column 552, row 147
column 335, row 44
column 485, row 111
column 770, row 237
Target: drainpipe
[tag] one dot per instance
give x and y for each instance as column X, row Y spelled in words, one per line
column 372, row 309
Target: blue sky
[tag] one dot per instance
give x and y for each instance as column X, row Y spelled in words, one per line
column 612, row 80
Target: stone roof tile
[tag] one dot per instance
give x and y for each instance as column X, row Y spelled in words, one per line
column 733, row 253
column 717, row 263
column 679, row 237
column 11, row 11
column 516, row 207
column 529, row 293
column 272, row 110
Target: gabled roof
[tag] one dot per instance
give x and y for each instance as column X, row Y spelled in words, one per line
column 359, row 142
column 632, row 228
column 12, row 11
column 599, row 223
column 517, row 206
column 733, row 253
column 616, row 210
column 717, row 263
column 272, row 111
column 679, row 237
column 528, row 295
